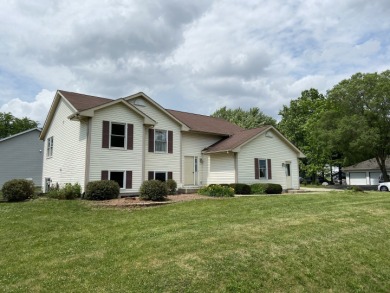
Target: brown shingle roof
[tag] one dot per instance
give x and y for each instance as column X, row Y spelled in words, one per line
column 370, row 164
column 204, row 123
column 235, row 140
column 83, row 102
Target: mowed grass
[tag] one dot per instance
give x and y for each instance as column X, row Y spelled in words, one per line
column 333, row 242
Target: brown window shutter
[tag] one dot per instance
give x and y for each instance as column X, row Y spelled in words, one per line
column 106, row 134
column 169, row 175
column 170, row 142
column 104, row 175
column 130, row 136
column 269, row 169
column 257, row 172
column 150, row 175
column 129, row 179
column 151, row 140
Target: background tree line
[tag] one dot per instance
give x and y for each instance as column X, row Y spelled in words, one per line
column 349, row 124
column 10, row 125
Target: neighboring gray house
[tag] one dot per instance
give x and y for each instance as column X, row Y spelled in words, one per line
column 365, row 173
column 21, row 157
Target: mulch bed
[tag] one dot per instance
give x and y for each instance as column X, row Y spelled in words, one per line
column 129, row 202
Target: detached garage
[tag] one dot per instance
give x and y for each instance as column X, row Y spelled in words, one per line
column 364, row 173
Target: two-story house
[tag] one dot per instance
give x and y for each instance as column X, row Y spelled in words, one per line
column 134, row 139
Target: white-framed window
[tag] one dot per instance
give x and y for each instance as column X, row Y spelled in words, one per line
column 49, row 147
column 119, row 177
column 263, row 169
column 117, row 135
column 160, row 141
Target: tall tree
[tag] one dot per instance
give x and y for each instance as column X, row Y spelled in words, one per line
column 357, row 122
column 246, row 119
column 295, row 125
column 10, row 125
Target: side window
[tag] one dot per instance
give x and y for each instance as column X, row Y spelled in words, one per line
column 117, row 135
column 160, row 141
column 49, row 147
column 263, row 169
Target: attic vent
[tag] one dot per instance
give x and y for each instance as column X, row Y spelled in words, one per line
column 269, row 134
column 139, row 102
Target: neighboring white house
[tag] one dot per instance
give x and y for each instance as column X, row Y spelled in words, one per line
column 21, row 157
column 365, row 173
column 134, row 139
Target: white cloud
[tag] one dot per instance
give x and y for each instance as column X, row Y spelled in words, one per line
column 209, row 53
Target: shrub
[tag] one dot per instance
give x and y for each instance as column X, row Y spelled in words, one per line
column 217, row 191
column 266, row 188
column 153, row 190
column 171, row 186
column 18, row 190
column 69, row 191
column 102, row 189
column 240, row 188
column 258, row 188
column 273, row 188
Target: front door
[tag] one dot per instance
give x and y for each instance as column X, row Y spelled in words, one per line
column 288, row 176
column 189, row 170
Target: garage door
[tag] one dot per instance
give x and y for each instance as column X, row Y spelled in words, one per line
column 374, row 178
column 357, row 178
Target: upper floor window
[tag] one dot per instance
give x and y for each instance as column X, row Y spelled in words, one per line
column 160, row 140
column 49, row 147
column 118, row 135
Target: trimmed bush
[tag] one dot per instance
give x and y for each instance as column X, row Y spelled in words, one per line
column 258, row 188
column 240, row 188
column 153, row 190
column 69, row 191
column 171, row 186
column 266, row 188
column 217, row 191
column 102, row 189
column 18, row 190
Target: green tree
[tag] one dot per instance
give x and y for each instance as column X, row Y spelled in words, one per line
column 357, row 121
column 296, row 126
column 10, row 125
column 252, row 118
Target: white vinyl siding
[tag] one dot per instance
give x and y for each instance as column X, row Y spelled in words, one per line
column 220, row 168
column 192, row 145
column 162, row 161
column 116, row 158
column 67, row 165
column 267, row 147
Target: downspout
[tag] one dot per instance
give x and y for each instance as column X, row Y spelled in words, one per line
column 88, row 153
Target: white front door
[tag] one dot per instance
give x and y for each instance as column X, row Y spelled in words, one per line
column 288, row 176
column 189, row 170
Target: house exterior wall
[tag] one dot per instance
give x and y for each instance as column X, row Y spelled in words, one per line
column 67, row 164
column 220, row 168
column 265, row 147
column 192, row 145
column 114, row 159
column 21, row 158
column 162, row 162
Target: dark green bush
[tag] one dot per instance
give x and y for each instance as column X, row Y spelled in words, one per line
column 153, row 190
column 240, row 188
column 69, row 191
column 102, row 189
column 217, row 191
column 266, row 188
column 18, row 190
column 171, row 186
column 273, row 188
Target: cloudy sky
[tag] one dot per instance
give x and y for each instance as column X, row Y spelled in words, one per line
column 192, row 56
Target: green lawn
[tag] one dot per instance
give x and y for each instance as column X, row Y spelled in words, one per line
column 334, row 242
